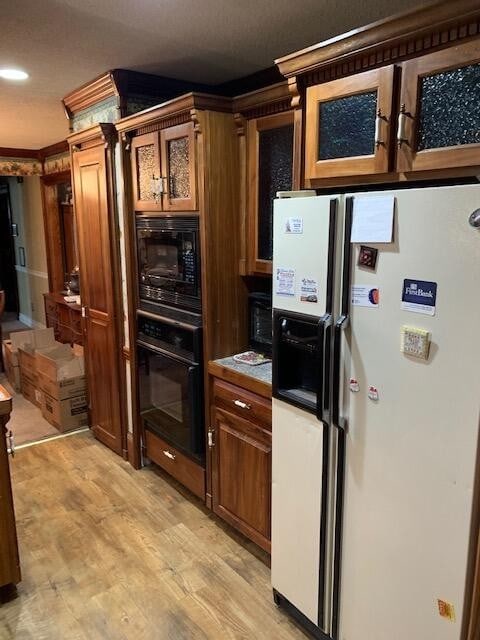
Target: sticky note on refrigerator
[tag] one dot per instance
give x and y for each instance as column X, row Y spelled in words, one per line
column 373, row 219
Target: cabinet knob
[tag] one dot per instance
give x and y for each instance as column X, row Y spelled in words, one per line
column 242, row 405
column 169, row 454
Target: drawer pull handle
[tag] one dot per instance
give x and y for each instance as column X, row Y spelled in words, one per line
column 402, row 124
column 169, row 455
column 380, row 119
column 242, row 405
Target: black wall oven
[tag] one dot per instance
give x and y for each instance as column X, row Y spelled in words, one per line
column 168, row 254
column 171, row 382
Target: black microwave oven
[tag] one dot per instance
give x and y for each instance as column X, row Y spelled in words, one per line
column 260, row 322
column 168, row 254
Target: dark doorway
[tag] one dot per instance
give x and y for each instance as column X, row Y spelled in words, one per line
column 8, row 274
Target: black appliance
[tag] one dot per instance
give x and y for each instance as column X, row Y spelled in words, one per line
column 260, row 322
column 301, row 363
column 171, row 382
column 168, row 254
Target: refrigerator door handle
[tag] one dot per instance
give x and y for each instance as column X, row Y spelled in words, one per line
column 340, row 326
column 323, row 396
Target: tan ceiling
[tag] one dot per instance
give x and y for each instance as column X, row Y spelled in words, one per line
column 65, row 43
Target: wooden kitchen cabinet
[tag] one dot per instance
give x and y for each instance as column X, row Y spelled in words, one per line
column 146, row 185
column 348, row 125
column 95, row 209
column 164, row 170
column 266, row 128
column 241, row 447
column 439, row 119
column 9, row 560
column 270, row 166
column 64, row 317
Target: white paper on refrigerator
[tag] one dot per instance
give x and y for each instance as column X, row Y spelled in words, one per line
column 285, row 281
column 373, row 219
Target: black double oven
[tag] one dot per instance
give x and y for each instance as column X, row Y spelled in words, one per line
column 169, row 331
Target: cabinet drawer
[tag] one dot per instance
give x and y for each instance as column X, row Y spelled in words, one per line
column 76, row 321
column 242, row 403
column 50, row 307
column 190, row 474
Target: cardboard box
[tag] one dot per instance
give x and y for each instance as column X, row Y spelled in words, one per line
column 61, row 374
column 28, row 365
column 10, row 362
column 29, row 389
column 31, row 340
column 62, row 389
column 60, row 362
column 28, row 343
column 65, row 415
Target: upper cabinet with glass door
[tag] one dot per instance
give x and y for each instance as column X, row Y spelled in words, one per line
column 439, row 119
column 270, row 169
column 348, row 125
column 163, row 170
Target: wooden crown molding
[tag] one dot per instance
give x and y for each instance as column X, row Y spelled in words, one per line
column 10, row 152
column 98, row 133
column 182, row 105
column 261, row 97
column 400, row 36
column 54, row 149
column 91, row 93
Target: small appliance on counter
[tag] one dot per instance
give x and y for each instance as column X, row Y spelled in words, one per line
column 260, row 322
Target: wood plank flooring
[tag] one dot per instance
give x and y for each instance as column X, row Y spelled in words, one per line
column 110, row 553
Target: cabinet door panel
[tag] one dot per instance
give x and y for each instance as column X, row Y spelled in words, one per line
column 270, row 169
column 146, row 177
column 242, row 476
column 439, row 124
column 95, row 237
column 178, row 168
column 348, row 122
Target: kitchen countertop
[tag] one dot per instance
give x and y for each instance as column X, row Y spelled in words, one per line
column 253, row 378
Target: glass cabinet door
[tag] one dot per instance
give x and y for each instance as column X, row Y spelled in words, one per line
column 178, row 167
column 348, row 125
column 270, row 169
column 146, row 179
column 439, row 120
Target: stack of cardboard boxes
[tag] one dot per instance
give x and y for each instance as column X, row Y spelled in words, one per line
column 50, row 374
column 62, row 385
column 11, row 365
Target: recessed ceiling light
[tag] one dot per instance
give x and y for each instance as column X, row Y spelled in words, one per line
column 13, row 74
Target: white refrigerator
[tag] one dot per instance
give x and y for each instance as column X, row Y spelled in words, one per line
column 376, row 409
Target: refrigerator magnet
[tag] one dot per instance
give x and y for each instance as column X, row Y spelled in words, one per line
column 354, row 386
column 367, row 257
column 308, row 290
column 294, row 225
column 373, row 393
column 285, row 281
column 365, row 296
column 419, row 296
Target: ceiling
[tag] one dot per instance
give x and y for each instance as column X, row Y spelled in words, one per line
column 64, row 43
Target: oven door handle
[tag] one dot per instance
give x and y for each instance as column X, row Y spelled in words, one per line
column 170, row 321
column 195, row 392
column 167, row 354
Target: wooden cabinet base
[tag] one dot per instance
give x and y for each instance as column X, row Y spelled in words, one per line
column 187, row 472
column 9, row 561
column 241, row 459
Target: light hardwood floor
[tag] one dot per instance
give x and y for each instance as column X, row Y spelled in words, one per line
column 110, row 553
